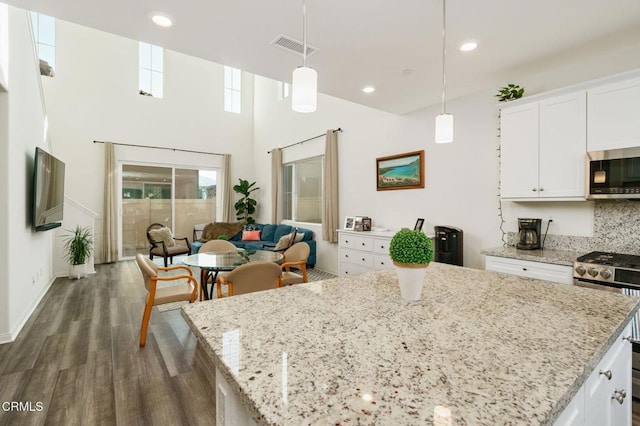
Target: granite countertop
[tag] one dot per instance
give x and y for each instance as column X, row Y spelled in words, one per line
column 492, row 348
column 558, row 257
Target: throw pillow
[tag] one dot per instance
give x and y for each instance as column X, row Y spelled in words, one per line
column 284, row 242
column 250, row 235
column 163, row 234
column 299, row 237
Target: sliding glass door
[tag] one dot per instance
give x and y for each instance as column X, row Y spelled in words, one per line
column 175, row 197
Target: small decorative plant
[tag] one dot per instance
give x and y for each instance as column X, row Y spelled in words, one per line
column 78, row 246
column 246, row 205
column 411, row 247
column 510, row 92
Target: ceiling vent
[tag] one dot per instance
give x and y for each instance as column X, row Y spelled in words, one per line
column 292, row 45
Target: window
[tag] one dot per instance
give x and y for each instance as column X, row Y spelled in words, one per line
column 302, row 190
column 283, row 90
column 151, row 70
column 232, row 89
column 44, row 34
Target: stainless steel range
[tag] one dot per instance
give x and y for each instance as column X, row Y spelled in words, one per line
column 608, row 271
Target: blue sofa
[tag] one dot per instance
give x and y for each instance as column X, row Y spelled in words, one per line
column 269, row 236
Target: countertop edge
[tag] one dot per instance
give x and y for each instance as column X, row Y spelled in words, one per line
column 556, row 257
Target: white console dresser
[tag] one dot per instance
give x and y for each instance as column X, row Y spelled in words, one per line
column 363, row 251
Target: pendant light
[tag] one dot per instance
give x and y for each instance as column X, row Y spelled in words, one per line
column 304, row 83
column 444, row 121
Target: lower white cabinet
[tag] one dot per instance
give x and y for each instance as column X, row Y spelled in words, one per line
column 542, row 271
column 363, row 251
column 605, row 398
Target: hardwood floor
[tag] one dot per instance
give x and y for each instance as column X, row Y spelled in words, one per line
column 78, row 362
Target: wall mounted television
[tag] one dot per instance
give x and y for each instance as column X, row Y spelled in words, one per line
column 48, row 191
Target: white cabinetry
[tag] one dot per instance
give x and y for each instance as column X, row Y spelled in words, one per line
column 605, row 398
column 363, row 251
column 543, row 147
column 614, row 116
column 542, row 271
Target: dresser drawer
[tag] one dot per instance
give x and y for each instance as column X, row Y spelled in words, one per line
column 382, row 261
column 355, row 242
column 381, row 245
column 524, row 268
column 350, row 269
column 357, row 257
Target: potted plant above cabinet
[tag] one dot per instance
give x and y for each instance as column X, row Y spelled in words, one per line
column 78, row 246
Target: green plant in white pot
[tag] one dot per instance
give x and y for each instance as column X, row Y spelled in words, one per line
column 411, row 252
column 78, row 246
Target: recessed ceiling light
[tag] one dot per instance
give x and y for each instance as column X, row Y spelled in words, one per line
column 368, row 89
column 161, row 19
column 468, row 46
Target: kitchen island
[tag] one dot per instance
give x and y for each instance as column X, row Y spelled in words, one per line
column 478, row 348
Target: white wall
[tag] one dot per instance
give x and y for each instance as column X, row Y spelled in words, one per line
column 94, row 96
column 4, row 45
column 461, row 178
column 28, row 269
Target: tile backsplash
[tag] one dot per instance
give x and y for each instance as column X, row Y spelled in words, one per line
column 616, row 229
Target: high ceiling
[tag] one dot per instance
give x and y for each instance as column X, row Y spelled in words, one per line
column 392, row 45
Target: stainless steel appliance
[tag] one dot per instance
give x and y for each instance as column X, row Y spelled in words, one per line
column 613, row 174
column 529, row 234
column 619, row 273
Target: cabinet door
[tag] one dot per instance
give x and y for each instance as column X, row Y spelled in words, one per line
column 614, row 116
column 519, row 151
column 621, row 412
column 563, row 146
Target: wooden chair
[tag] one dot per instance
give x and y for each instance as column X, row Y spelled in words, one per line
column 213, row 246
column 296, row 256
column 158, row 296
column 250, row 277
column 163, row 243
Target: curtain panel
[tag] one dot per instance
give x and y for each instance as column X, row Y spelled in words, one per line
column 276, row 185
column 110, row 216
column 330, row 222
column 226, row 192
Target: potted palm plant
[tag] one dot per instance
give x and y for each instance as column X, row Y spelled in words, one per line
column 78, row 246
column 411, row 252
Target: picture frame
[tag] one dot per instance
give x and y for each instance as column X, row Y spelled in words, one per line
column 349, row 223
column 418, row 225
column 366, row 224
column 357, row 223
column 401, row 171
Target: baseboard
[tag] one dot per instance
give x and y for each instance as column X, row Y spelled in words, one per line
column 16, row 330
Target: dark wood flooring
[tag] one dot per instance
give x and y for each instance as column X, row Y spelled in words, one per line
column 78, row 358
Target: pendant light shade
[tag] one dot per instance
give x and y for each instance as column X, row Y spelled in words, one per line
column 304, row 89
column 444, row 121
column 304, row 83
column 444, row 128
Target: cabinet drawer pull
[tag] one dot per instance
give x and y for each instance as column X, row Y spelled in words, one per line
column 606, row 374
column 346, row 255
column 541, row 189
column 363, row 244
column 382, row 263
column 524, row 269
column 534, row 189
column 363, row 259
column 346, row 241
column 619, row 396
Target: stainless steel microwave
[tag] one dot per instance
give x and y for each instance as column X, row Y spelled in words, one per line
column 613, row 174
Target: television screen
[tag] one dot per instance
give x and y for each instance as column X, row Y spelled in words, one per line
column 48, row 191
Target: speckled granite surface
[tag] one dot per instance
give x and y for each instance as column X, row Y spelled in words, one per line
column 558, row 257
column 492, row 348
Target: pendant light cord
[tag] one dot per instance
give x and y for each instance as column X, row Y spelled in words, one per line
column 444, row 55
column 304, row 33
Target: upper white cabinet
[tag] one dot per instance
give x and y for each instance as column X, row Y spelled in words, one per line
column 614, row 116
column 543, row 147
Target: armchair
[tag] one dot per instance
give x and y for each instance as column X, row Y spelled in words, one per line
column 163, row 243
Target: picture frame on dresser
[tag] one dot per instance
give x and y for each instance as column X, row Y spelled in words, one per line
column 349, row 223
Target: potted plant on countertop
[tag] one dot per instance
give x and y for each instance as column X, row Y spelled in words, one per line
column 78, row 246
column 411, row 252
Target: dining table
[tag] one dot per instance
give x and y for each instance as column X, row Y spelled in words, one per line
column 211, row 264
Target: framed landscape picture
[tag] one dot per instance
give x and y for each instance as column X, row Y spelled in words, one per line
column 401, row 171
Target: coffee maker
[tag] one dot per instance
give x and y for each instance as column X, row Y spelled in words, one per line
column 529, row 234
